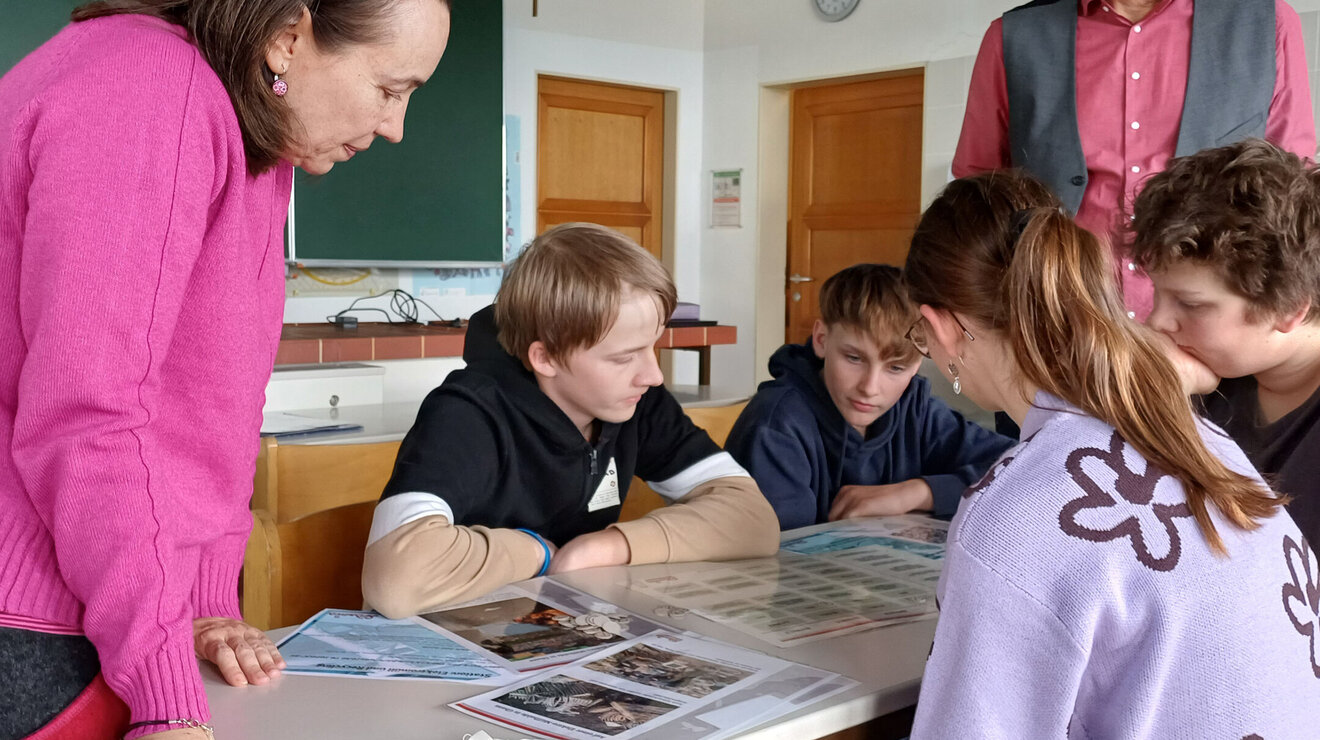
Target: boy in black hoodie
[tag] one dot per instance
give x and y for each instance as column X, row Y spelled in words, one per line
column 533, row 445
column 846, row 428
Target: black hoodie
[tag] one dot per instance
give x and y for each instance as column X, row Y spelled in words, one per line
column 501, row 454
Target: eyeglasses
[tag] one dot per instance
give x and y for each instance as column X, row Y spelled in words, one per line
column 917, row 335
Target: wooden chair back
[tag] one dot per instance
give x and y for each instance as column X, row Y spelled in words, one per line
column 312, row 508
column 717, row 421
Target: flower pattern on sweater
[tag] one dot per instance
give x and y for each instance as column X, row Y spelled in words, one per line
column 996, row 469
column 1301, row 597
column 1120, row 502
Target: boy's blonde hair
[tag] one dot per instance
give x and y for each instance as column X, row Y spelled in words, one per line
column 871, row 299
column 566, row 287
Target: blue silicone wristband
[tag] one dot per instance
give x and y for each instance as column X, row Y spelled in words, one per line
column 544, row 547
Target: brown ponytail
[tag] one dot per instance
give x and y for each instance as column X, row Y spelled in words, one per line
column 997, row 248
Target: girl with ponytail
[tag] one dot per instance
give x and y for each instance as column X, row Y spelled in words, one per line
column 1122, row 566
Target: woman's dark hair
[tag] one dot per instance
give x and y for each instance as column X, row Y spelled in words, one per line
column 997, row 248
column 233, row 35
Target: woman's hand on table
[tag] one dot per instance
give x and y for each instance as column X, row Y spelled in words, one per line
column 887, row 500
column 242, row 652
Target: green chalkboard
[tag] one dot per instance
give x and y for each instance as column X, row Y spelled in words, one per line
column 26, row 24
column 437, row 197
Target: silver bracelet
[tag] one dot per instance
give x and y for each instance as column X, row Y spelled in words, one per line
column 170, row 723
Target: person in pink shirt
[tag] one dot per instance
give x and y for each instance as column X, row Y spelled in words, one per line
column 1149, row 79
column 146, row 156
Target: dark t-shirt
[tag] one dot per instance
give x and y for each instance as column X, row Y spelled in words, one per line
column 1286, row 452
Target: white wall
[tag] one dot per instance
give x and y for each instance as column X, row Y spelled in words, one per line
column 671, row 24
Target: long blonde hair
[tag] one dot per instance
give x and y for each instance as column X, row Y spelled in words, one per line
column 997, row 247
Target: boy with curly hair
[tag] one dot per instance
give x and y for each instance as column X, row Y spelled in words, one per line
column 1231, row 240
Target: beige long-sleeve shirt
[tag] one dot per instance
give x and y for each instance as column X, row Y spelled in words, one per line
column 430, row 562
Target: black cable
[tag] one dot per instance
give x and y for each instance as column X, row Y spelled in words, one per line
column 402, row 303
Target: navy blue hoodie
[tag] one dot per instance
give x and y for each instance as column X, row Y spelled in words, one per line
column 801, row 451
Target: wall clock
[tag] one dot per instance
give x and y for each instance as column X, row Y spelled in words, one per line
column 834, row 10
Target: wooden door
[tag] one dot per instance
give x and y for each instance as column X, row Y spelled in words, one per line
column 599, row 157
column 854, row 184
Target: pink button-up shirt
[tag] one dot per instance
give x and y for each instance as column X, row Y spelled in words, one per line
column 1131, row 82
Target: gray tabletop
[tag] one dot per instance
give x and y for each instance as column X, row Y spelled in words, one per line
column 888, row 663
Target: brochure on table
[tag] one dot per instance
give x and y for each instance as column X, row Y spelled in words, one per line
column 359, row 644
column 536, row 625
column 492, row 640
column 663, row 684
column 850, row 579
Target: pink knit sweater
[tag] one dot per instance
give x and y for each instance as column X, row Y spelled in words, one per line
column 141, row 294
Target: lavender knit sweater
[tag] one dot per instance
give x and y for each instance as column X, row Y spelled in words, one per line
column 1080, row 600
column 141, row 294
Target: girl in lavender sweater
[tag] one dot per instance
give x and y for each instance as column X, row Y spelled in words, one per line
column 1123, row 572
column 145, row 167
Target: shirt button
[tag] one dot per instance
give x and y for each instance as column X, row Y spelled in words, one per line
column 1136, row 125
column 1137, row 29
column 1078, row 180
column 1132, row 314
column 1136, row 75
column 1136, row 168
column 1132, row 267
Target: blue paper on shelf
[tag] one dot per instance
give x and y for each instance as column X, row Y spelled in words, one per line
column 292, row 426
column 686, row 312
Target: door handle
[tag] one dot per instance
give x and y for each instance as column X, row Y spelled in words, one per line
column 796, row 278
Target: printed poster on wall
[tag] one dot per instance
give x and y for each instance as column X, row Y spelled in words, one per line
column 726, row 199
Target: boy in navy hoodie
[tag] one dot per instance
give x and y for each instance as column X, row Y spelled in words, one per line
column 518, row 464
column 846, row 429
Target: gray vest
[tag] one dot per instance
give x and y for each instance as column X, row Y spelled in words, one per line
column 1230, row 82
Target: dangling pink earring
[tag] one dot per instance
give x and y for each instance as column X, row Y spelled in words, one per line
column 279, row 86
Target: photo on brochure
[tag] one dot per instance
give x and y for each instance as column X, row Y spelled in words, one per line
column 924, row 533
column 587, row 705
column 523, row 628
column 662, row 669
column 661, row 686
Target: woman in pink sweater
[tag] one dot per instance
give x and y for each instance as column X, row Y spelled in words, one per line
column 1123, row 572
column 145, row 169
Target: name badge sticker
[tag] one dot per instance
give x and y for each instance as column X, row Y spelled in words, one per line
column 607, row 493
